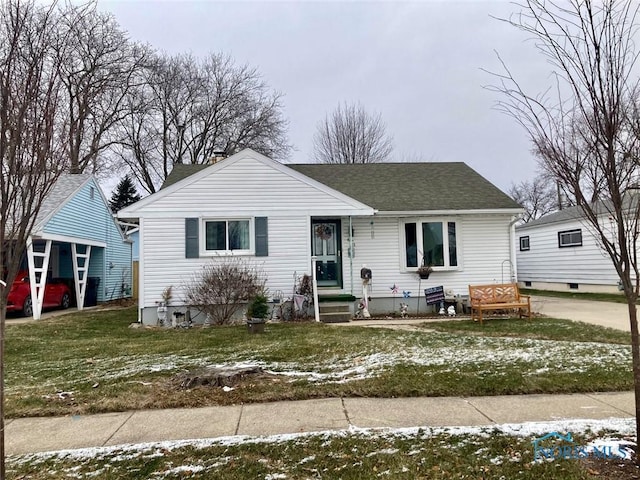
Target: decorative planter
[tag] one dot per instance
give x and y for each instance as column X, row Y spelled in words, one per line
column 423, row 276
column 255, row 325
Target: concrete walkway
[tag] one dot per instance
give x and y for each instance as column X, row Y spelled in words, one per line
column 605, row 314
column 30, row 435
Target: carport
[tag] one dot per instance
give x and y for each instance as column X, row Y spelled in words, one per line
column 46, row 258
column 77, row 240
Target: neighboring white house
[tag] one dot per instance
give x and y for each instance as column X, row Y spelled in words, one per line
column 559, row 252
column 279, row 216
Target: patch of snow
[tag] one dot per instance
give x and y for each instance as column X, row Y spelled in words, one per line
column 619, row 448
column 621, row 426
column 384, row 451
column 182, row 469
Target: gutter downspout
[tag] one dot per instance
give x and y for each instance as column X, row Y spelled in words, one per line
column 351, row 253
column 512, row 251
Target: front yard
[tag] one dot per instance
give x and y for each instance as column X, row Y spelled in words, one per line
column 93, row 362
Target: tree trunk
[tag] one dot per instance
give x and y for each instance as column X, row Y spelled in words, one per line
column 2, row 435
column 635, row 351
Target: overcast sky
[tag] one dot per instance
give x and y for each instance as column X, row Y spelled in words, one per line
column 419, row 64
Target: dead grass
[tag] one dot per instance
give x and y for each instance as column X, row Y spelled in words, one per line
column 93, row 362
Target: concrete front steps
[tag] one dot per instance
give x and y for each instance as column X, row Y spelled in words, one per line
column 335, row 308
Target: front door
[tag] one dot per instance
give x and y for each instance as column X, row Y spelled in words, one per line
column 325, row 245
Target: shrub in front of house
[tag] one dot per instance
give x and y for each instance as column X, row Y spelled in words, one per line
column 223, row 286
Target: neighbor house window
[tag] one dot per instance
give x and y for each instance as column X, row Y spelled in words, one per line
column 434, row 242
column 227, row 235
column 570, row 238
column 524, row 244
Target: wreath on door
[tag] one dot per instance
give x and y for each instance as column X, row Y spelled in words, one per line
column 323, row 231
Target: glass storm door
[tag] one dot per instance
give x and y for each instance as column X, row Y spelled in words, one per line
column 325, row 245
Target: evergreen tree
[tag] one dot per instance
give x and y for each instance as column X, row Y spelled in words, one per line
column 124, row 194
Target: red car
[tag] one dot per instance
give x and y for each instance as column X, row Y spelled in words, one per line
column 56, row 294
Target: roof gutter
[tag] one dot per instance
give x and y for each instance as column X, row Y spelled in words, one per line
column 413, row 213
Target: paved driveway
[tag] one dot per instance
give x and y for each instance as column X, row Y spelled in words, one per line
column 606, row 314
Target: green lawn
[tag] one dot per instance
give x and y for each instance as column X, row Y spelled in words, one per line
column 599, row 297
column 93, row 362
column 486, row 453
column 541, row 328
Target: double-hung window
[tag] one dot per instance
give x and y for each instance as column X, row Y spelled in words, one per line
column 432, row 242
column 227, row 236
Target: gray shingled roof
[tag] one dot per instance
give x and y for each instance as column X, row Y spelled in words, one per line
column 570, row 213
column 398, row 186
column 630, row 202
column 411, row 186
column 180, row 172
column 65, row 187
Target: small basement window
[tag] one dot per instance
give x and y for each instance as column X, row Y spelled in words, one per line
column 527, row 284
column 570, row 238
column 524, row 243
column 573, row 286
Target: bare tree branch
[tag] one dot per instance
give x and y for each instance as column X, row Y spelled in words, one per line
column 538, row 197
column 351, row 135
column 98, row 67
column 31, row 146
column 188, row 109
column 586, row 138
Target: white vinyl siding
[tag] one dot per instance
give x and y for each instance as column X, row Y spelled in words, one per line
column 546, row 263
column 165, row 263
column 245, row 189
column 482, row 250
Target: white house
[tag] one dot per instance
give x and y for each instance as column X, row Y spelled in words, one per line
column 279, row 216
column 560, row 252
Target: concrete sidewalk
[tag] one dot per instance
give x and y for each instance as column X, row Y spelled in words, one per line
column 30, row 435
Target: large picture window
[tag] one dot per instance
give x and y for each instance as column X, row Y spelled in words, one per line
column 433, row 241
column 227, row 235
column 570, row 238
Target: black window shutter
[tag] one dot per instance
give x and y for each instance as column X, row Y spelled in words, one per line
column 192, row 249
column 262, row 237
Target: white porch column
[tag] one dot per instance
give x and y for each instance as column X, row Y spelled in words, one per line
column 38, row 275
column 80, row 272
column 316, row 307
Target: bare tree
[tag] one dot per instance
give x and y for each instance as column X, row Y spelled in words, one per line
column 189, row 109
column 98, row 67
column 539, row 197
column 584, row 134
column 31, row 147
column 352, row 135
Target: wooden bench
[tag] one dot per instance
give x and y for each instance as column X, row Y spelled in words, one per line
column 495, row 297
